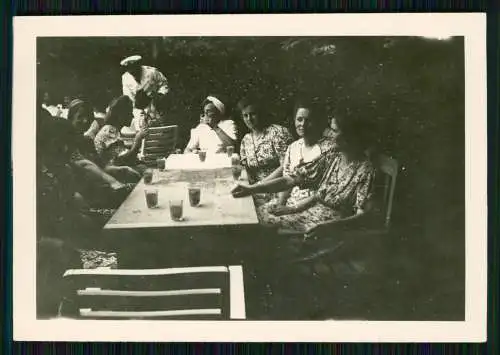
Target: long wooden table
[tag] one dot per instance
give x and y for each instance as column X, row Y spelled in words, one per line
column 217, row 208
column 218, row 221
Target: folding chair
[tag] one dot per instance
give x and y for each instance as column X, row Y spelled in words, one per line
column 385, row 186
column 344, row 255
column 209, row 293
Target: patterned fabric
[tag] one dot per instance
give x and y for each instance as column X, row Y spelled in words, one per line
column 294, row 158
column 108, row 144
column 342, row 188
column 93, row 130
column 262, row 155
column 58, row 214
column 152, row 82
column 93, row 259
column 59, row 218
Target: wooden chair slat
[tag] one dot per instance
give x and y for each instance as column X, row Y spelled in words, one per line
column 100, row 292
column 148, row 314
column 147, row 272
column 159, row 143
column 127, row 303
column 124, row 293
column 149, row 283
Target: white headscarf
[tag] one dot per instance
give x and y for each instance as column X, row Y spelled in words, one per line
column 217, row 103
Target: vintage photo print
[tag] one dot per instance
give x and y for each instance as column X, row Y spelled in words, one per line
column 250, row 178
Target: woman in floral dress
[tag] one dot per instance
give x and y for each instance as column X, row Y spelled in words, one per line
column 85, row 158
column 342, row 181
column 119, row 160
column 262, row 150
column 309, row 122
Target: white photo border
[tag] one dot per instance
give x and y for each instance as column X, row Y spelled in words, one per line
column 438, row 25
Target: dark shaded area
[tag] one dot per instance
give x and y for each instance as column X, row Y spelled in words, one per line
column 56, row 7
column 409, row 91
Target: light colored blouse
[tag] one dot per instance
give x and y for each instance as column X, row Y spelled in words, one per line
column 205, row 138
column 295, row 157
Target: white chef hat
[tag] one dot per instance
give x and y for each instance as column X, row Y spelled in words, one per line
column 130, row 60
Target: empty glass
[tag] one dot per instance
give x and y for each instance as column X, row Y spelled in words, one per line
column 236, row 170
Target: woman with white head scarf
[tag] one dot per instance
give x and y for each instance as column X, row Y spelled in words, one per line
column 215, row 132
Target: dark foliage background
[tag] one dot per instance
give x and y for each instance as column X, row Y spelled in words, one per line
column 410, row 91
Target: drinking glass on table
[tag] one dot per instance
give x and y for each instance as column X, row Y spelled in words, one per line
column 194, row 193
column 236, row 170
column 160, row 163
column 230, row 150
column 148, row 176
column 202, row 154
column 151, row 197
column 175, row 209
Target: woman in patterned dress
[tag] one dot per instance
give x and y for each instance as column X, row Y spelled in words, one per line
column 342, row 181
column 262, row 150
column 309, row 121
column 84, row 156
column 119, row 160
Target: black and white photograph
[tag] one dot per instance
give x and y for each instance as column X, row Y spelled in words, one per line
column 211, row 177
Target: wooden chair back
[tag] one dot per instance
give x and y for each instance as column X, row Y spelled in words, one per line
column 159, row 143
column 177, row 293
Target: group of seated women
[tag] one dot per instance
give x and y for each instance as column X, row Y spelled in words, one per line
column 320, row 180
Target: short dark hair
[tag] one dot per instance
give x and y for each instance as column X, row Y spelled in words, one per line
column 353, row 128
column 75, row 105
column 117, row 110
column 248, row 101
column 142, row 100
column 53, row 133
column 317, row 110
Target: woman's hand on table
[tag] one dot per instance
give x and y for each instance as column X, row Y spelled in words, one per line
column 241, row 190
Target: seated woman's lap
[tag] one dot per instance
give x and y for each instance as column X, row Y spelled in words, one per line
column 300, row 222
